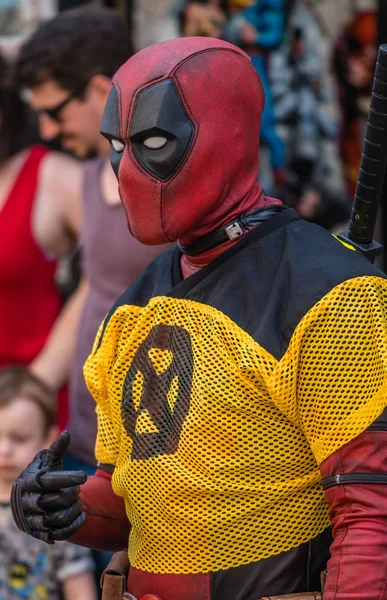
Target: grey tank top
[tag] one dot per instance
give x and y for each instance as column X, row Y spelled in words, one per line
column 111, row 259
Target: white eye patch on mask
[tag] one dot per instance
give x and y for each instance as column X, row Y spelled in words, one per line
column 155, row 143
column 118, row 145
column 152, row 143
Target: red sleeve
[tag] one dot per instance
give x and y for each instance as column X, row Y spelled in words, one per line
column 107, row 526
column 357, row 569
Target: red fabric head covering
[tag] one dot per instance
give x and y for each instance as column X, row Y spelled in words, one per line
column 217, row 178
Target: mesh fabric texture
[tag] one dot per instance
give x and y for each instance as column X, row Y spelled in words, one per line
column 216, row 443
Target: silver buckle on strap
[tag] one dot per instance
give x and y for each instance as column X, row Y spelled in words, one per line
column 234, row 231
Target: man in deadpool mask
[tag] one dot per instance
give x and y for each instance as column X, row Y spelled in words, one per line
column 240, row 382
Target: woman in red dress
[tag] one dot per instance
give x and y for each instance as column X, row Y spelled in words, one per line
column 30, row 300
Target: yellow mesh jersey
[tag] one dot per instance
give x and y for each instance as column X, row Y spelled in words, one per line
column 216, row 443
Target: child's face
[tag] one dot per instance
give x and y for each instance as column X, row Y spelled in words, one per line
column 22, row 435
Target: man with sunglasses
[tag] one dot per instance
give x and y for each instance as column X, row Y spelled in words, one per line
column 55, row 112
column 65, row 71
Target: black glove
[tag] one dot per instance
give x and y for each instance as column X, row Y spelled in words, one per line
column 44, row 499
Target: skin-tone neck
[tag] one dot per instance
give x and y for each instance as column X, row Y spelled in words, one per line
column 109, row 185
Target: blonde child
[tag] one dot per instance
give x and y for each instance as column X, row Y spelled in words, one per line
column 29, row 568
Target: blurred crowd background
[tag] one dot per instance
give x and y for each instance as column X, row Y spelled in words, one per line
column 65, row 252
column 315, row 58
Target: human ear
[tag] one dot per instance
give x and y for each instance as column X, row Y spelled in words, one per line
column 100, row 86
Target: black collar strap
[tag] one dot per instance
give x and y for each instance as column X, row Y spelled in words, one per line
column 232, row 230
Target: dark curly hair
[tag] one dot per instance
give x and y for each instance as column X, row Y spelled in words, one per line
column 75, row 45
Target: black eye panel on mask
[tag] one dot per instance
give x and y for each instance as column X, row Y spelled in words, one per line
column 159, row 112
column 110, row 127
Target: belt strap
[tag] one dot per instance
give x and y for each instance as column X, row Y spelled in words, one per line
column 348, row 478
column 232, row 230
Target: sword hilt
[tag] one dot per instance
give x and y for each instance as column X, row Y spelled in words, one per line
column 372, row 167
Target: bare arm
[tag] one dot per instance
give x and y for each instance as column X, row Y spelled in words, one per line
column 80, row 587
column 56, row 226
column 53, row 363
column 58, row 208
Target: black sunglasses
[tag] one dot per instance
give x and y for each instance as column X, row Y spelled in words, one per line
column 55, row 112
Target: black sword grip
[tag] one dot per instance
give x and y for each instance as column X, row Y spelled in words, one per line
column 373, row 159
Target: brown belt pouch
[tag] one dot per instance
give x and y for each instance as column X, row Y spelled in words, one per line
column 306, row 596
column 114, row 577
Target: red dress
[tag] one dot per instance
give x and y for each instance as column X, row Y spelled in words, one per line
column 29, row 298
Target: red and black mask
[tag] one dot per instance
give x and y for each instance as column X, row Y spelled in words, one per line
column 183, row 119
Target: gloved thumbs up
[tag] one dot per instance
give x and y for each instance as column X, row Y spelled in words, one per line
column 53, row 457
column 44, row 499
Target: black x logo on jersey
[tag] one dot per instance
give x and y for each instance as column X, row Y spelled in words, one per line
column 157, row 392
